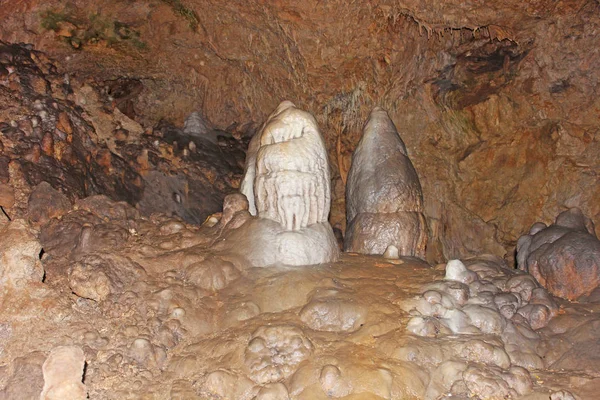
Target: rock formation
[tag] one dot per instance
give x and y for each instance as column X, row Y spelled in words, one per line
column 288, row 189
column 60, row 133
column 384, row 201
column 19, row 255
column 499, row 112
column 564, row 257
column 63, row 374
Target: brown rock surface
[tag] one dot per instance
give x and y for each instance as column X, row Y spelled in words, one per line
column 496, row 102
column 61, row 139
column 46, row 203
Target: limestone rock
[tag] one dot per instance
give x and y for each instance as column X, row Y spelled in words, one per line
column 26, row 380
column 325, row 313
column 99, row 276
column 19, row 255
column 264, row 242
column 7, row 196
column 212, row 273
column 106, row 208
column 563, row 257
column 274, row 352
column 46, row 203
column 229, row 386
column 384, row 201
column 287, row 185
column 292, row 170
column 197, row 125
column 273, row 391
column 63, row 374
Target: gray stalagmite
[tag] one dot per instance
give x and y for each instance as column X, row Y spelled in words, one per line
column 384, row 201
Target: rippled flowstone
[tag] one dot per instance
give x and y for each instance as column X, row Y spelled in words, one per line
column 495, row 312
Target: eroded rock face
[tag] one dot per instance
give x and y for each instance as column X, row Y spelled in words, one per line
column 288, row 189
column 564, row 257
column 384, row 201
column 63, row 140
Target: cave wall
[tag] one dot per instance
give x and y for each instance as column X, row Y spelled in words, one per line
column 496, row 101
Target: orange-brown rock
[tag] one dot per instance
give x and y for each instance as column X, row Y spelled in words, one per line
column 46, row 203
column 496, row 102
column 72, row 147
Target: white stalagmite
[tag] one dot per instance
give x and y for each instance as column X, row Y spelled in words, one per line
column 63, row 374
column 289, row 169
column 288, row 187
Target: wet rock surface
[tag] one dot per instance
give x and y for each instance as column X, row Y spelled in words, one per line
column 158, row 312
column 498, row 109
column 287, row 187
column 497, row 102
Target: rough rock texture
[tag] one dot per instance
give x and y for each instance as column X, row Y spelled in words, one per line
column 564, row 257
column 62, row 139
column 289, row 182
column 498, row 107
column 287, row 187
column 46, row 203
column 384, row 201
column 19, row 255
column 497, row 100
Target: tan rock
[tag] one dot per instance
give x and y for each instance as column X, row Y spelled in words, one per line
column 63, row 374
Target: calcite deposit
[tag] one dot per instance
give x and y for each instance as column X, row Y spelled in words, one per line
column 63, row 373
column 158, row 309
column 287, row 186
column 563, row 257
column 19, row 255
column 384, row 201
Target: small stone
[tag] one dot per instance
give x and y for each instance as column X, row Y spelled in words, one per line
column 65, row 29
column 19, row 255
column 7, row 196
column 273, row 391
column 121, row 134
column 391, row 253
column 46, row 203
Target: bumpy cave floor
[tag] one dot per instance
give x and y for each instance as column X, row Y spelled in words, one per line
column 159, row 314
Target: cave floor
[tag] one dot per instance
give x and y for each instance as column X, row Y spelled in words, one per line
column 159, row 315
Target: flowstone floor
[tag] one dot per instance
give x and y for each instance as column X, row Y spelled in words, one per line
column 160, row 315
